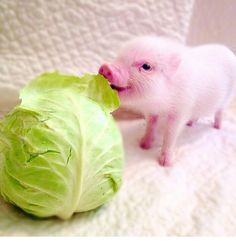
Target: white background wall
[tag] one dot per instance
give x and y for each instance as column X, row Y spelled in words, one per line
column 75, row 36
column 213, row 21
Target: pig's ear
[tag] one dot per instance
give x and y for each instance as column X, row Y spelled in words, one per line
column 172, row 63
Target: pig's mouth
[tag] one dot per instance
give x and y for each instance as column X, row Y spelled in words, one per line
column 119, row 89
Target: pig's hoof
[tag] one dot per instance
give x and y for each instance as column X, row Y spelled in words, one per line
column 218, row 120
column 145, row 144
column 216, row 125
column 190, row 123
column 164, row 160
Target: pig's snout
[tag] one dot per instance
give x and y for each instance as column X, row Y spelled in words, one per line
column 109, row 73
column 116, row 75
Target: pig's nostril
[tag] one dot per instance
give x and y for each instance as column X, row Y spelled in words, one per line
column 106, row 71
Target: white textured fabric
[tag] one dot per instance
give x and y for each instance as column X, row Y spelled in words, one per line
column 196, row 196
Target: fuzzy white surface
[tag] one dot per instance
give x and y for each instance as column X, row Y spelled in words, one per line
column 196, row 196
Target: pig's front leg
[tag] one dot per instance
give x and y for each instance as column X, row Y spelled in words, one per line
column 149, row 136
column 174, row 126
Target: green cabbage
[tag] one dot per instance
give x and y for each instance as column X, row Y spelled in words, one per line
column 60, row 149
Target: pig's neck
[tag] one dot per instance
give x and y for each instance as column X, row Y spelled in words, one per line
column 148, row 107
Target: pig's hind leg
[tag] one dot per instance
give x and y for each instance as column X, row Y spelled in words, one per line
column 218, row 119
column 149, row 136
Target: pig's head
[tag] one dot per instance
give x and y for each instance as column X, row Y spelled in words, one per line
column 143, row 68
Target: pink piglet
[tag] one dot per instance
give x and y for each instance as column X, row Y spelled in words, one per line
column 157, row 76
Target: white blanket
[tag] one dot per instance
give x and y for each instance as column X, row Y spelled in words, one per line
column 196, row 196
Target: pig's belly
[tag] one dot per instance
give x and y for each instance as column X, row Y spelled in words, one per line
column 208, row 104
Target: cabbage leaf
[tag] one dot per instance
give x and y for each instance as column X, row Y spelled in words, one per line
column 60, row 149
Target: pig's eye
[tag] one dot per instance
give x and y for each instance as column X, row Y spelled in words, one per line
column 146, row 67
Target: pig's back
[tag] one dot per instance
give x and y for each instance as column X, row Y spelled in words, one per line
column 211, row 77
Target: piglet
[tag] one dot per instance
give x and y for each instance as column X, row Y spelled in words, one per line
column 160, row 77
